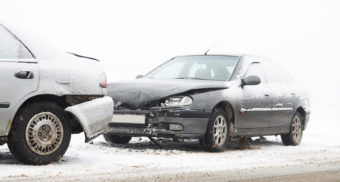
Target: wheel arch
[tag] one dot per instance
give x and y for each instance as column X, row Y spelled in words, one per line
column 302, row 111
column 230, row 111
column 60, row 100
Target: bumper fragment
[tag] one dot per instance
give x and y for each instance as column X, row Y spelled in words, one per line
column 93, row 116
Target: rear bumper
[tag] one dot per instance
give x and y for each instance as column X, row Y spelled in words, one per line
column 161, row 123
column 93, row 116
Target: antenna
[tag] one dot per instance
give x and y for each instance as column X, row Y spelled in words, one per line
column 217, row 42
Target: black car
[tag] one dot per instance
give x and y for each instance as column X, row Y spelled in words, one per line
column 213, row 98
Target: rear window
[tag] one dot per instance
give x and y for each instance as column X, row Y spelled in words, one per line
column 276, row 73
column 10, row 47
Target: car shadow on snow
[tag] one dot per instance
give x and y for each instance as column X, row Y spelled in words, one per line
column 163, row 144
column 7, row 158
column 263, row 142
column 143, row 144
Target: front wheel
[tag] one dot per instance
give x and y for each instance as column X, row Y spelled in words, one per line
column 40, row 133
column 295, row 134
column 216, row 137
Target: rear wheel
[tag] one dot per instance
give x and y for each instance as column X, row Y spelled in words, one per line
column 216, row 137
column 295, row 135
column 40, row 134
column 117, row 139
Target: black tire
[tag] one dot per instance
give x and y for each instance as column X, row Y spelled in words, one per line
column 40, row 133
column 117, row 139
column 295, row 134
column 202, row 143
column 216, row 139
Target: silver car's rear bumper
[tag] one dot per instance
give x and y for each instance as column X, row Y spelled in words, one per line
column 93, row 116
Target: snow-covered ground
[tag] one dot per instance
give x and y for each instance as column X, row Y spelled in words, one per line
column 145, row 161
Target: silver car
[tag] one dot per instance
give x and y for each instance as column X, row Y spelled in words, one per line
column 46, row 95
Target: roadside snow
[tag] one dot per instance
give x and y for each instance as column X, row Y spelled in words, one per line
column 142, row 158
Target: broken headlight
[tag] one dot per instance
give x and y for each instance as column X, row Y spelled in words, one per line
column 177, row 101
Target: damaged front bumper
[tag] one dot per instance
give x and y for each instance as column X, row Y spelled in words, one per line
column 93, row 116
column 160, row 122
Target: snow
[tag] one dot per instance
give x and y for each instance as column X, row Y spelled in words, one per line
column 142, row 159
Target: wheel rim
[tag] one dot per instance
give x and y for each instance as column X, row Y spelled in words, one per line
column 220, row 130
column 296, row 129
column 44, row 133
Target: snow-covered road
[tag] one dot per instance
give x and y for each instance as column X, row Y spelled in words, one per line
column 144, row 161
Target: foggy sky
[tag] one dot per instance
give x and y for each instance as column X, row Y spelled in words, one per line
column 132, row 37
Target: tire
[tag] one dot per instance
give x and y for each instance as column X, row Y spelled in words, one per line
column 295, row 134
column 116, row 138
column 216, row 137
column 40, row 133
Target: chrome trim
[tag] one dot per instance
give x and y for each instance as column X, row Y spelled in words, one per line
column 266, row 109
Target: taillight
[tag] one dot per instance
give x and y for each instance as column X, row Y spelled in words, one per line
column 103, row 81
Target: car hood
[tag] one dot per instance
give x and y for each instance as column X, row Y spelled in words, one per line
column 143, row 91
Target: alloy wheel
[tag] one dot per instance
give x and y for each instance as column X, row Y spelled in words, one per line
column 220, row 130
column 44, row 133
column 296, row 129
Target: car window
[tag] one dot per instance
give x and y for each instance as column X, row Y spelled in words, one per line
column 217, row 68
column 10, row 47
column 256, row 69
column 196, row 67
column 173, row 71
column 218, row 72
column 276, row 73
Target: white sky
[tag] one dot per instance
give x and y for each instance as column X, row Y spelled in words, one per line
column 132, row 37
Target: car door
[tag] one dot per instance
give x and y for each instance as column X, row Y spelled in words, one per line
column 283, row 94
column 255, row 100
column 19, row 76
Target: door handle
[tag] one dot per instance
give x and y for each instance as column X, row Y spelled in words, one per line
column 4, row 104
column 24, row 75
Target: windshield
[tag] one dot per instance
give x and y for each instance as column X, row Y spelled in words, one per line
column 196, row 67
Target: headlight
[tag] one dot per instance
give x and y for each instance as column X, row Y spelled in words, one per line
column 177, row 101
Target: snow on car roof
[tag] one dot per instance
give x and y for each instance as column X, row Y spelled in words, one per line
column 41, row 49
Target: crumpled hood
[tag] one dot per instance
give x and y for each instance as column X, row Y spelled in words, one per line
column 142, row 91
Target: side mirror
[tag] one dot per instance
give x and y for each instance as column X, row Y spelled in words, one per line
column 139, row 76
column 250, row 80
